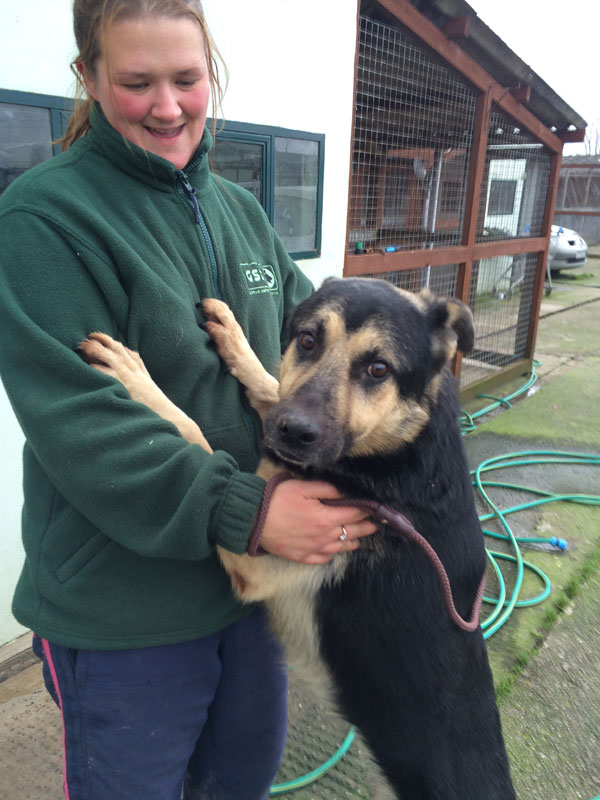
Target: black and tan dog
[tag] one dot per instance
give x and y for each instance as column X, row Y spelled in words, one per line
column 366, row 401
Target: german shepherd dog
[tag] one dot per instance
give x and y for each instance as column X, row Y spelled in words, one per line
column 366, row 401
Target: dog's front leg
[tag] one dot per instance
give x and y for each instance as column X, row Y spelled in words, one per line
column 223, row 328
column 252, row 578
column 112, row 358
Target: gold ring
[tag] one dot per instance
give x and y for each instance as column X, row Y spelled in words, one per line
column 343, row 535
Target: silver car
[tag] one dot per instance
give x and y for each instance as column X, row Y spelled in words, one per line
column 567, row 249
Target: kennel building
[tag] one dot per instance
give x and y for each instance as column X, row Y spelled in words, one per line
column 456, row 154
column 578, row 196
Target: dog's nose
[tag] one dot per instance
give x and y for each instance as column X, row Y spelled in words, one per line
column 297, row 430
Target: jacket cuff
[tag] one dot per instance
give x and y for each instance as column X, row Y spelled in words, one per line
column 238, row 511
column 254, row 548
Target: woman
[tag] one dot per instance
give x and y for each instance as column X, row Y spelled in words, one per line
column 164, row 681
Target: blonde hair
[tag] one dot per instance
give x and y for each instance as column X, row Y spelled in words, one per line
column 92, row 20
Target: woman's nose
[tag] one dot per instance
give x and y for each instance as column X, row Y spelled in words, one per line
column 166, row 105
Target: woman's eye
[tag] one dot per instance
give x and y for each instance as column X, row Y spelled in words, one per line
column 306, row 341
column 378, row 369
column 134, row 87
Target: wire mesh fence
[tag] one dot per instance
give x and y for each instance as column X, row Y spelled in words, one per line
column 579, row 188
column 515, row 182
column 501, row 299
column 414, row 125
column 440, row 280
column 413, row 129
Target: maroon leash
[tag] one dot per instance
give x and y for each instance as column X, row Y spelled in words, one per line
column 386, row 516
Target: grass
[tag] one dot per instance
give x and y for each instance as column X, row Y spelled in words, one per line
column 569, row 592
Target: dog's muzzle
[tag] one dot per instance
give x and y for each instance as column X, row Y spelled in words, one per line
column 302, row 435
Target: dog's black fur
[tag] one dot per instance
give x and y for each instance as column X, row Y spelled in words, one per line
column 417, row 687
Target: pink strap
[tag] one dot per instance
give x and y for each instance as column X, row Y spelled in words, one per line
column 387, row 516
column 254, row 548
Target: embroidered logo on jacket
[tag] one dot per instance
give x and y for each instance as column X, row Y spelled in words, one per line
column 261, row 278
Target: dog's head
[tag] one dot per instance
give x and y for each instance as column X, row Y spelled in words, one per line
column 362, row 371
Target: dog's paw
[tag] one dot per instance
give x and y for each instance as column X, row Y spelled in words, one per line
column 226, row 333
column 110, row 357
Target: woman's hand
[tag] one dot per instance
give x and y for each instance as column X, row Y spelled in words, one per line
column 299, row 527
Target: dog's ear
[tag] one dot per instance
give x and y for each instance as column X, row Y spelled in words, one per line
column 451, row 325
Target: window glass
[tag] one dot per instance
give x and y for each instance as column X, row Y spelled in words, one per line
column 502, row 197
column 25, row 140
column 296, row 192
column 241, row 163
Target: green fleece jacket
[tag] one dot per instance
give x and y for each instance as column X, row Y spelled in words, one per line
column 121, row 514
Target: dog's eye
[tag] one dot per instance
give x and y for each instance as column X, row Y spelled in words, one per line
column 378, row 369
column 306, row 341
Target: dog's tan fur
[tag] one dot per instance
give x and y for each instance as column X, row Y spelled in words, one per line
column 378, row 423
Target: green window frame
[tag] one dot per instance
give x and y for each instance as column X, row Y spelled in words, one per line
column 278, row 172
column 286, row 171
column 15, row 158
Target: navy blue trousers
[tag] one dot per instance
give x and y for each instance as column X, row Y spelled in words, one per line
column 203, row 720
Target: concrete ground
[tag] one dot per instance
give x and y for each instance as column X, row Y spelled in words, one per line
column 546, row 659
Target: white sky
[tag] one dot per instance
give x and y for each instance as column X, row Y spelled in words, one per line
column 560, row 41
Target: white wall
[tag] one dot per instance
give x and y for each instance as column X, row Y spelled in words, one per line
column 291, row 64
column 11, row 498
column 37, row 46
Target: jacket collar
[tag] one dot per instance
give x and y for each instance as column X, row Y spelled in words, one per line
column 146, row 167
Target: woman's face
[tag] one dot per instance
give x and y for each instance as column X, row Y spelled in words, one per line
column 158, row 88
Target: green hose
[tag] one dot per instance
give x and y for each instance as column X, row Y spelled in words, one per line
column 304, row 780
column 503, row 608
column 467, row 421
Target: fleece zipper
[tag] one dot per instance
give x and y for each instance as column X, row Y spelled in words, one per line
column 189, row 193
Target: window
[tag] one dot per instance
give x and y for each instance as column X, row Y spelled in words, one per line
column 284, row 170
column 29, row 123
column 502, row 197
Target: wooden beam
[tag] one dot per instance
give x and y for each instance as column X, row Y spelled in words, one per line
column 504, row 99
column 521, row 92
column 577, row 212
column 473, row 197
column 484, row 385
column 425, row 30
column 566, row 137
column 457, row 27
column 509, row 247
column 404, row 259
column 350, row 199
column 414, row 259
